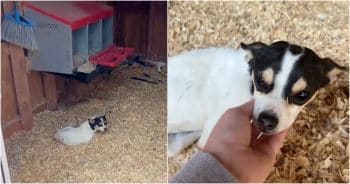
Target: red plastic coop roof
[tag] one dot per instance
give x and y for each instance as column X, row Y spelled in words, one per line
column 73, row 14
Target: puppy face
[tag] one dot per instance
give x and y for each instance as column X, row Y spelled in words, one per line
column 98, row 123
column 285, row 77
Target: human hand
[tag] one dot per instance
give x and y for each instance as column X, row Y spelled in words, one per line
column 233, row 142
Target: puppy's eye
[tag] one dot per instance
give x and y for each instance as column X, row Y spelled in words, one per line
column 303, row 95
column 300, row 98
column 99, row 125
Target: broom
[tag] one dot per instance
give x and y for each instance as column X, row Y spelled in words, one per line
column 18, row 30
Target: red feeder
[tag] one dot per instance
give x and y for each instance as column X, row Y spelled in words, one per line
column 111, row 57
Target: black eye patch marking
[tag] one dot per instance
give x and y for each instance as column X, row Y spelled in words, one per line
column 309, row 67
column 252, row 88
column 92, row 126
column 299, row 89
column 260, row 84
column 103, row 120
column 300, row 98
column 100, row 121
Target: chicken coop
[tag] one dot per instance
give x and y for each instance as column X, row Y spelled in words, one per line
column 80, row 34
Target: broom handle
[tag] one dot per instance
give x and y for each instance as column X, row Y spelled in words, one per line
column 20, row 19
column 17, row 13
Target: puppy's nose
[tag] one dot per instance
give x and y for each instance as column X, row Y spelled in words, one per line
column 267, row 120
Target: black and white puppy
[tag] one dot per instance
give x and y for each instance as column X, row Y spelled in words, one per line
column 281, row 77
column 82, row 134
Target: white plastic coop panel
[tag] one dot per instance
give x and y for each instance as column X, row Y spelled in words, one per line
column 107, row 32
column 80, row 46
column 95, row 37
column 55, row 44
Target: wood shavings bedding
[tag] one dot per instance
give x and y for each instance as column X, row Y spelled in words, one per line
column 316, row 148
column 132, row 150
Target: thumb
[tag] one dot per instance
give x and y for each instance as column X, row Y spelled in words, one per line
column 247, row 108
column 276, row 141
column 271, row 144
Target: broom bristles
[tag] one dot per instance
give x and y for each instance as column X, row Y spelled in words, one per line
column 19, row 35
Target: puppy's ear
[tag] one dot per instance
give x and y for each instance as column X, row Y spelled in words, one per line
column 282, row 44
column 91, row 121
column 332, row 69
column 250, row 48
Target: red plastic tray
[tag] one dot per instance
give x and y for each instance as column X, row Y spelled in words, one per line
column 112, row 56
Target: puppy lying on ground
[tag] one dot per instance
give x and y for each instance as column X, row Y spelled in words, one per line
column 72, row 136
column 202, row 84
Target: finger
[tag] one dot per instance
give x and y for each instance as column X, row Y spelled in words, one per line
column 254, row 136
column 271, row 144
column 276, row 140
column 255, row 131
column 237, row 126
column 247, row 108
column 236, row 122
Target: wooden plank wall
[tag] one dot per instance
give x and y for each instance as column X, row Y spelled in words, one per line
column 141, row 25
column 157, row 31
column 10, row 119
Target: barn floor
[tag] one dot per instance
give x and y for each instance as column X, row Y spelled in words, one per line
column 316, row 148
column 132, row 150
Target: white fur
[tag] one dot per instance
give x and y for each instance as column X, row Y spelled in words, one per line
column 202, row 84
column 180, row 140
column 72, row 136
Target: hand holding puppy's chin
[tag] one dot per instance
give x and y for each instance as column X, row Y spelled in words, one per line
column 233, row 143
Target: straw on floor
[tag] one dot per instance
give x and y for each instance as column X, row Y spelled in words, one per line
column 132, row 150
column 316, row 148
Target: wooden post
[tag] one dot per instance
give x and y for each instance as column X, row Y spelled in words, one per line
column 50, row 91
